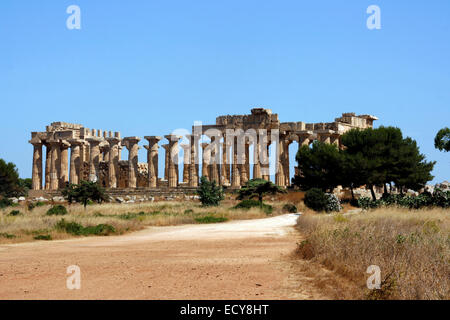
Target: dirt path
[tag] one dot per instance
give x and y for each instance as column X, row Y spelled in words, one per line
column 235, row 260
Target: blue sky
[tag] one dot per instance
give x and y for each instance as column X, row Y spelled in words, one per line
column 148, row 67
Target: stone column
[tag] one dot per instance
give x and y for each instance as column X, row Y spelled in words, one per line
column 206, row 160
column 243, row 161
column 75, row 161
column 131, row 143
column 334, row 139
column 256, row 156
column 193, row 173
column 235, row 174
column 324, row 136
column 173, row 159
column 286, row 162
column 247, row 160
column 106, row 151
column 54, row 174
column 166, row 161
column 215, row 153
column 36, row 177
column 94, row 158
column 113, row 161
column 304, row 138
column 64, row 164
column 48, row 160
column 280, row 179
column 265, row 166
column 152, row 160
column 186, row 161
column 225, row 181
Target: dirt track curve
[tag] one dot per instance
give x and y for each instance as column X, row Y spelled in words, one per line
column 248, row 259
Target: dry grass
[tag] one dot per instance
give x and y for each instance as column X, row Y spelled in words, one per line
column 123, row 217
column 412, row 249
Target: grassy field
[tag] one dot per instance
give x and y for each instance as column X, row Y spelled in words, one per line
column 412, row 249
column 106, row 219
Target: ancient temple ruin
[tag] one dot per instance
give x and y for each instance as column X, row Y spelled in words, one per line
column 235, row 150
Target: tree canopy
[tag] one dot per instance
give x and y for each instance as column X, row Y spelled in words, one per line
column 258, row 188
column 10, row 183
column 321, row 166
column 371, row 157
column 442, row 140
column 83, row 192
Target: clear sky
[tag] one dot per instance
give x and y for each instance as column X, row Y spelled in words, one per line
column 148, row 67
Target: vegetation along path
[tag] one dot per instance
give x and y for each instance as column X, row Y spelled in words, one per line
column 248, row 259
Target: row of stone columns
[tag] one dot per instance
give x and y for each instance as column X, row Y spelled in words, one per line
column 221, row 161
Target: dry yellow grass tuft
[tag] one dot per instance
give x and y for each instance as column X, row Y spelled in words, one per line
column 412, row 249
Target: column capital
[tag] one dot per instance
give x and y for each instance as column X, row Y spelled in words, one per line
column 153, row 139
column 75, row 142
column 36, row 141
column 113, row 140
column 173, row 138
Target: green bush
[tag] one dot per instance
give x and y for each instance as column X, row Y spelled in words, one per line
column 78, row 230
column 31, row 206
column 211, row 219
column 210, row 193
column 247, row 204
column 7, row 235
column 187, row 211
column 316, row 200
column 58, row 210
column 14, row 213
column 424, row 200
column 250, row 203
column 289, row 207
column 43, row 237
column 5, row 202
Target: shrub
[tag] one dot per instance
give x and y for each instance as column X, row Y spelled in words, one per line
column 441, row 198
column 7, row 235
column 43, row 237
column 78, row 230
column 5, row 202
column 289, row 207
column 249, row 203
column 58, row 210
column 187, row 211
column 14, row 213
column 316, row 199
column 424, row 200
column 333, row 203
column 31, row 206
column 211, row 219
column 210, row 193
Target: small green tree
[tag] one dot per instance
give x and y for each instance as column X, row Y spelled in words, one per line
column 9, row 179
column 210, row 193
column 442, row 140
column 258, row 188
column 320, row 166
column 84, row 192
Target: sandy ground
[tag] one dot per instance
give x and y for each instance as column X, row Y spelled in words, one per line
column 248, row 259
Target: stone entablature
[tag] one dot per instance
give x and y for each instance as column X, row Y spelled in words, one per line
column 74, row 153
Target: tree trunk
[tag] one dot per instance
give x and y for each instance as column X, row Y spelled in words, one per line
column 372, row 192
column 351, row 190
column 385, row 192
